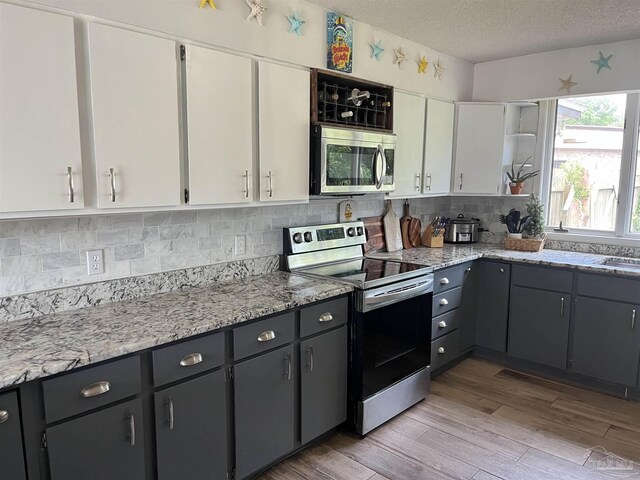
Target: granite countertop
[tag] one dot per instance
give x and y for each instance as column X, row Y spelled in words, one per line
column 55, row 343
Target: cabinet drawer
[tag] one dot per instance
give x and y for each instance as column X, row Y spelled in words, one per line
column 187, row 358
column 609, row 288
column 263, row 335
column 542, row 278
column 446, row 301
column 443, row 350
column 450, row 277
column 323, row 316
column 443, row 324
column 78, row 392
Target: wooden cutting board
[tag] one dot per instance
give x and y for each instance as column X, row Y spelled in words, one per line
column 415, row 226
column 405, row 223
column 374, row 229
column 392, row 233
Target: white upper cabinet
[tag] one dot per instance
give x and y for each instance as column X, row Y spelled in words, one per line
column 40, row 161
column 408, row 120
column 438, row 147
column 220, row 126
column 479, row 148
column 284, row 129
column 134, row 96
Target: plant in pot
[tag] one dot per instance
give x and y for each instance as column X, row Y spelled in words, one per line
column 517, row 177
column 515, row 224
column 535, row 209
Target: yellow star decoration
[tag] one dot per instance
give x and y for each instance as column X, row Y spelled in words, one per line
column 203, row 3
column 422, row 65
column 567, row 83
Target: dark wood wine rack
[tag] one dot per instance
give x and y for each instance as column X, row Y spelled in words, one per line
column 331, row 104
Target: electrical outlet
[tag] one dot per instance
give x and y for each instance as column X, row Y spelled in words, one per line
column 95, row 262
column 241, row 245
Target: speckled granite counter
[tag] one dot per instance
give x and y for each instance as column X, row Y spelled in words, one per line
column 55, row 343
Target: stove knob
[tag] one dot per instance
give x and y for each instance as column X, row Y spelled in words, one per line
column 308, row 237
column 360, row 231
column 297, row 237
column 351, row 232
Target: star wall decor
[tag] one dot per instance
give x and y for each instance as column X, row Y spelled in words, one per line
column 257, row 10
column 423, row 65
column 567, row 83
column 439, row 70
column 204, row 3
column 400, row 56
column 295, row 23
column 376, row 49
column 602, row 62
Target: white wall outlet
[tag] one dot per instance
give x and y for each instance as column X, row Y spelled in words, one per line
column 241, row 245
column 95, row 262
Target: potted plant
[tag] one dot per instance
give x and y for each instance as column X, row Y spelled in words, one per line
column 515, row 224
column 517, row 178
column 535, row 209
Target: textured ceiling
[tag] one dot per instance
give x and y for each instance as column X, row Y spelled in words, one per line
column 483, row 30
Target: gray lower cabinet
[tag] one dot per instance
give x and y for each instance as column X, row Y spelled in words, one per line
column 323, row 383
column 264, row 409
column 104, row 445
column 539, row 326
column 606, row 340
column 191, row 429
column 494, row 282
column 466, row 314
column 11, row 453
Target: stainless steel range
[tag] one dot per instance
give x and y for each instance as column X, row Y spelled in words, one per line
column 390, row 332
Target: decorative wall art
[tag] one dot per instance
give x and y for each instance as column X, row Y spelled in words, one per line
column 602, row 62
column 423, row 65
column 339, row 43
column 204, row 3
column 400, row 56
column 295, row 23
column 439, row 70
column 376, row 50
column 257, row 10
column 567, row 84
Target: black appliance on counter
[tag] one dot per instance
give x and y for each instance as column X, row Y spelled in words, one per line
column 390, row 322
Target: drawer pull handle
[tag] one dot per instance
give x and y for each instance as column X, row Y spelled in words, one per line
column 169, row 405
column 633, row 319
column 442, row 324
column 444, row 302
column 325, row 317
column 266, row 336
column 132, row 430
column 441, row 350
column 444, row 281
column 501, row 270
column 95, row 389
column 192, row 359
column 4, row 416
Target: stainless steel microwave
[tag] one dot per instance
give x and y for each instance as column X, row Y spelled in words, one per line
column 348, row 161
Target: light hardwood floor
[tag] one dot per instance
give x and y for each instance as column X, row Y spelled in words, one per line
column 485, row 422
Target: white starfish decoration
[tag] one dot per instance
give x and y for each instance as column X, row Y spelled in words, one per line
column 400, row 56
column 567, row 83
column 439, row 70
column 257, row 10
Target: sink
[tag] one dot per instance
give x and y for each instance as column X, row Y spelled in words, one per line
column 623, row 262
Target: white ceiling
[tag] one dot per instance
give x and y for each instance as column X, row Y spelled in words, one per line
column 483, row 30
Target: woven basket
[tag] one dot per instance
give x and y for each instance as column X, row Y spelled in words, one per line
column 524, row 244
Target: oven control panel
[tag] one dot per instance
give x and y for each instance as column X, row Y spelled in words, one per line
column 322, row 237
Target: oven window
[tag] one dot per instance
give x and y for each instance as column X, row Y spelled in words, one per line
column 350, row 166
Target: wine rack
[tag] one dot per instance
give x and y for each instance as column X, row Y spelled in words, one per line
column 341, row 100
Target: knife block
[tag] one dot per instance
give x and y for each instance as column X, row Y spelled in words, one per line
column 428, row 240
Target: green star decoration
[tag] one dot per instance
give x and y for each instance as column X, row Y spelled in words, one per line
column 602, row 62
column 376, row 50
column 295, row 22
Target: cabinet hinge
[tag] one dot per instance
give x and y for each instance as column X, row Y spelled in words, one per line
column 43, row 441
column 186, row 195
column 230, row 373
column 233, row 473
column 183, row 53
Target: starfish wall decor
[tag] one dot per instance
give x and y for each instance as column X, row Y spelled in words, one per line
column 204, row 3
column 257, row 10
column 376, row 49
column 602, row 62
column 439, row 70
column 423, row 65
column 400, row 56
column 295, row 23
column 567, row 83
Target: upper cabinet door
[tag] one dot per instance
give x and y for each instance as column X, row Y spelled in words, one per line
column 40, row 163
column 479, row 147
column 284, row 132
column 134, row 94
column 408, row 120
column 438, row 147
column 220, row 126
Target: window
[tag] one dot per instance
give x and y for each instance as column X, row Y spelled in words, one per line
column 593, row 182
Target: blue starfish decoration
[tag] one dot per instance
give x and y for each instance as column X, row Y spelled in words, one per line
column 602, row 62
column 296, row 23
column 376, row 50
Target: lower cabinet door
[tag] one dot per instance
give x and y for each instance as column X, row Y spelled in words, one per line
column 494, row 280
column 11, row 454
column 539, row 326
column 606, row 340
column 191, row 429
column 323, row 383
column 264, row 409
column 104, row 445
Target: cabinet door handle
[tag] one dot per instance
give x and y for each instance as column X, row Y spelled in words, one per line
column 461, row 181
column 501, row 270
column 169, row 405
column 191, row 359
column 418, row 179
column 266, row 336
column 444, row 302
column 112, row 183
column 70, row 184
column 287, row 373
column 132, row 430
column 326, row 317
column 633, row 319
column 270, row 190
column 310, row 356
column 444, row 281
column 4, row 416
column 562, row 307
column 441, row 350
column 467, row 270
column 95, row 389
column 429, row 181
column 246, row 183
column 442, row 324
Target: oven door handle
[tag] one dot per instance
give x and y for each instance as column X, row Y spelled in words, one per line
column 401, row 294
column 379, row 155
